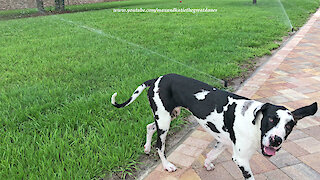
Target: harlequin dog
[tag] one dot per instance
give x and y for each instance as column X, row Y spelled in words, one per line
column 233, row 120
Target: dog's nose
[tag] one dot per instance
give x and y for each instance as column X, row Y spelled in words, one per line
column 278, row 140
column 275, row 141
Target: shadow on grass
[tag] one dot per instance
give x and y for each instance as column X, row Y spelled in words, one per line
column 26, row 13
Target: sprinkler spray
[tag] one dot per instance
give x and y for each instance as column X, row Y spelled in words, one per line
column 286, row 15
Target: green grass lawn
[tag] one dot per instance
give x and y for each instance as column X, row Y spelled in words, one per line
column 57, row 74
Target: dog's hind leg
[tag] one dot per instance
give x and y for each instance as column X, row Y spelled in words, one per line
column 151, row 128
column 213, row 154
column 163, row 120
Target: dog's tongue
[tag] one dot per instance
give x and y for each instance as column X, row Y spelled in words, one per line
column 270, row 151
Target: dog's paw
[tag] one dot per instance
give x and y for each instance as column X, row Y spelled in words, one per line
column 169, row 167
column 147, row 149
column 208, row 165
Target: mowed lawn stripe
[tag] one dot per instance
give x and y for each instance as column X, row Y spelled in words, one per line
column 139, row 47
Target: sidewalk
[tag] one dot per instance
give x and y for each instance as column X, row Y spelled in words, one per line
column 291, row 78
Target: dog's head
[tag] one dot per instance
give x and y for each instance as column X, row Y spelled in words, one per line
column 277, row 123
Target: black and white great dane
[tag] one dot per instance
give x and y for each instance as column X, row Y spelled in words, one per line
column 233, row 120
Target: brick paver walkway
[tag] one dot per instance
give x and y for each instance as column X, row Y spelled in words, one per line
column 291, row 78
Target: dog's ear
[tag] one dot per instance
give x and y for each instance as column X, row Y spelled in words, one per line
column 305, row 111
column 261, row 108
column 258, row 109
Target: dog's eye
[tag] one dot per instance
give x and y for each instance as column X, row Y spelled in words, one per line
column 270, row 119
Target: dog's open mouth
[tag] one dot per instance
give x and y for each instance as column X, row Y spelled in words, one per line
column 270, row 151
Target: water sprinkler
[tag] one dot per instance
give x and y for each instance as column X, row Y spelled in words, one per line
column 225, row 83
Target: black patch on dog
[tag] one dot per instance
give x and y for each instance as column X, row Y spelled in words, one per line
column 224, row 128
column 166, row 94
column 255, row 118
column 151, row 101
column 123, row 104
column 136, row 92
column 159, row 142
column 228, row 119
column 159, row 133
column 254, row 121
column 179, row 91
column 244, row 172
column 212, row 127
column 288, row 127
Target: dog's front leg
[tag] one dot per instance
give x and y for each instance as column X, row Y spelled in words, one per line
column 212, row 155
column 244, row 166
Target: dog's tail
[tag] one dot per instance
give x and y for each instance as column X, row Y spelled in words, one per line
column 134, row 96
